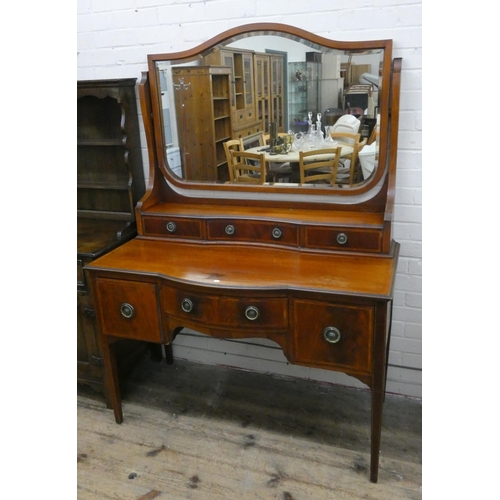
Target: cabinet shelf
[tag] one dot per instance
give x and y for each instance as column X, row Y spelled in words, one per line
column 223, row 139
column 120, row 186
column 102, row 142
column 105, row 214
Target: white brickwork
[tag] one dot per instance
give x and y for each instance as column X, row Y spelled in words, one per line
column 114, row 39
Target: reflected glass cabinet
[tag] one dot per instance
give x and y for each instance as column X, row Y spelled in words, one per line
column 242, row 83
column 278, row 92
column 256, row 89
column 262, row 89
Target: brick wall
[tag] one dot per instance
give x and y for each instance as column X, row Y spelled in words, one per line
column 114, row 38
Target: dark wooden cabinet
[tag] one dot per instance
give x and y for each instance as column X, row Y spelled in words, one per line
column 110, row 182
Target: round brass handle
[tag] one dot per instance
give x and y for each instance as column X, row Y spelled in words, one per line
column 171, row 227
column 252, row 313
column 230, row 229
column 332, row 335
column 277, row 234
column 127, row 310
column 341, row 238
column 187, row 305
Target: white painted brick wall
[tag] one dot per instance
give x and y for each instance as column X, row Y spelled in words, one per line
column 114, row 38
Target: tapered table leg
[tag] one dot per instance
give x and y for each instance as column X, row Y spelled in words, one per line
column 378, row 386
column 111, row 371
column 169, row 354
column 376, row 432
column 155, row 352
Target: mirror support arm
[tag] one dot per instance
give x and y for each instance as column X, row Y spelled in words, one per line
column 393, row 133
column 152, row 194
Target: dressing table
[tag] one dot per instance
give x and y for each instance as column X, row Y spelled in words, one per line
column 311, row 268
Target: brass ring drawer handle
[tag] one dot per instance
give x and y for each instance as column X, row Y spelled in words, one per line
column 127, row 310
column 230, row 229
column 171, row 227
column 187, row 305
column 252, row 313
column 332, row 335
column 277, row 233
column 341, row 238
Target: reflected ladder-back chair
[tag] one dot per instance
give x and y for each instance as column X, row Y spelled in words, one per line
column 277, row 171
column 319, row 165
column 348, row 172
column 233, row 144
column 249, row 168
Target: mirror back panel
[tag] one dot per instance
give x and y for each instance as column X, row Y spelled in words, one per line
column 275, row 90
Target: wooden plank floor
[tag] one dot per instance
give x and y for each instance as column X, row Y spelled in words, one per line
column 194, row 431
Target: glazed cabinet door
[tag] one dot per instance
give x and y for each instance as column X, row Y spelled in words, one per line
column 262, row 90
column 244, row 87
column 278, row 92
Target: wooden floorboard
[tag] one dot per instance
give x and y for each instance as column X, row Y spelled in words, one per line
column 193, row 431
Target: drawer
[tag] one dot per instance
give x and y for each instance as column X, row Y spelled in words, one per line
column 329, row 335
column 188, row 305
column 253, row 231
column 226, row 312
column 248, row 131
column 128, row 309
column 254, row 313
column 175, row 227
column 362, row 240
column 244, row 116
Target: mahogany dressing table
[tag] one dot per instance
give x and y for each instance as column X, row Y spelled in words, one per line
column 311, row 268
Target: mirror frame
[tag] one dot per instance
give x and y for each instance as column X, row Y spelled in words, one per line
column 362, row 192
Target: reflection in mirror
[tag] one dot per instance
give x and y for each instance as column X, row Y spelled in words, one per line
column 278, row 95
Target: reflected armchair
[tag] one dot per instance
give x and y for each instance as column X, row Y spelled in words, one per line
column 348, row 124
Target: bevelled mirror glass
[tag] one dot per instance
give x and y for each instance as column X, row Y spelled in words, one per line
column 273, row 92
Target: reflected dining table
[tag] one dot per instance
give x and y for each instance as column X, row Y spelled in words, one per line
column 293, row 156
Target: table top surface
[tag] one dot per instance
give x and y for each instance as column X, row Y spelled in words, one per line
column 245, row 266
column 293, row 156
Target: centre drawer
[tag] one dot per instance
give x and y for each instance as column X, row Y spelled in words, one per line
column 253, row 231
column 191, row 306
column 224, row 311
column 330, row 335
column 253, row 312
column 128, row 309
